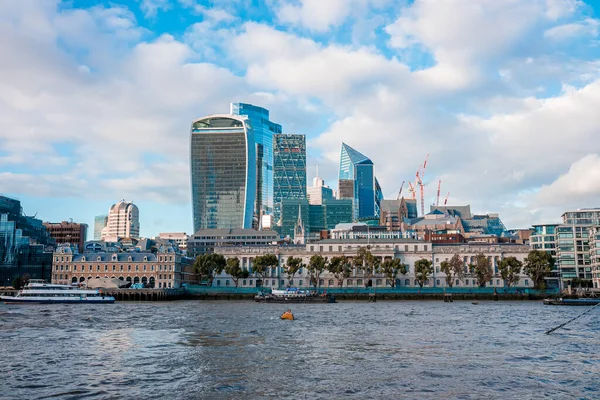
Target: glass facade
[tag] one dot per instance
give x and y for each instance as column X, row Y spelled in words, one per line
column 289, row 178
column 315, row 218
column 223, row 172
column 358, row 182
column 100, row 221
column 262, row 131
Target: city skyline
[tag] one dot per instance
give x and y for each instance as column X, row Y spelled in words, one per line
column 504, row 106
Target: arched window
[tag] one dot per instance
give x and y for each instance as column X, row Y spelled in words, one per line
column 136, row 279
column 407, row 282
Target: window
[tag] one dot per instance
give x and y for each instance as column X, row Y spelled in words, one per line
column 244, row 282
column 406, row 248
column 457, row 283
column 424, row 247
column 526, row 282
column 349, row 282
column 416, row 248
column 437, row 260
column 437, row 282
column 300, row 282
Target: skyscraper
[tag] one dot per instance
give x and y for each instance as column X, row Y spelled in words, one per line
column 100, row 222
column 358, row 182
column 223, row 172
column 123, row 222
column 319, row 192
column 289, row 169
column 263, row 130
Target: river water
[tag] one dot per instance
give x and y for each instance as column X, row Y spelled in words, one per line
column 227, row 349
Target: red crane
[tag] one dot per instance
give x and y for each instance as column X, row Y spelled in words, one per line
column 446, row 199
column 420, row 176
column 400, row 191
column 437, row 199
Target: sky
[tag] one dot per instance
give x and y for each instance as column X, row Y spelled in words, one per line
column 97, row 97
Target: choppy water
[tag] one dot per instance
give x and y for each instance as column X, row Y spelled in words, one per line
column 197, row 349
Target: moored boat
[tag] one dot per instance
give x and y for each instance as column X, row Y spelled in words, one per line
column 37, row 291
column 293, row 295
column 572, row 302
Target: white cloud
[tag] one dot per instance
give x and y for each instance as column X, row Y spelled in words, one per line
column 151, row 7
column 587, row 27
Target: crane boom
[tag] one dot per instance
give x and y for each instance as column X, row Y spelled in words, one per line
column 437, row 199
column 400, row 191
column 446, row 199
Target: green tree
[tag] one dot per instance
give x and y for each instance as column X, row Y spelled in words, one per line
column 453, row 269
column 209, row 265
column 17, row 283
column 233, row 269
column 538, row 265
column 391, row 268
column 316, row 266
column 423, row 268
column 510, row 270
column 482, row 270
column 340, row 268
column 367, row 263
column 261, row 264
column 292, row 266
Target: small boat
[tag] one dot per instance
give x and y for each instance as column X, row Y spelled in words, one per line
column 571, row 302
column 37, row 291
column 293, row 295
column 288, row 315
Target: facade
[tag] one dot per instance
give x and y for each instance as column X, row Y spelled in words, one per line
column 205, row 240
column 68, row 232
column 263, row 130
column 573, row 247
column 165, row 269
column 319, row 192
column 289, row 169
column 357, row 182
column 100, row 222
column 181, row 238
column 407, row 250
column 223, row 172
column 25, row 246
column 315, row 218
column 544, row 237
column 594, row 240
column 123, row 221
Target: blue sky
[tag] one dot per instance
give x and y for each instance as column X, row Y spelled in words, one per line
column 96, row 98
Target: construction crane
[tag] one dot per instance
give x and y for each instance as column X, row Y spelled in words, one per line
column 411, row 189
column 420, row 176
column 400, row 191
column 437, row 199
column 446, row 199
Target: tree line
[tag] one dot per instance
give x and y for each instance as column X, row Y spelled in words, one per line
column 537, row 266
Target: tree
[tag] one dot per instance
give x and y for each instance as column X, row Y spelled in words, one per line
column 209, row 265
column 423, row 268
column 510, row 270
column 316, row 266
column 453, row 269
column 261, row 264
column 340, row 268
column 538, row 265
column 292, row 266
column 233, row 269
column 391, row 268
column 481, row 269
column 367, row 263
column 17, row 283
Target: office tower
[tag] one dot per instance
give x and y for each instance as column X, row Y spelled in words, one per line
column 263, row 130
column 289, row 169
column 68, row 232
column 123, row 222
column 319, row 192
column 100, row 222
column 223, row 172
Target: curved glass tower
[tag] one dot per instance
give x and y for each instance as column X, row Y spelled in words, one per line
column 223, row 172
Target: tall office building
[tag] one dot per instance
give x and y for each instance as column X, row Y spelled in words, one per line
column 223, row 172
column 68, row 232
column 263, row 130
column 289, row 169
column 100, row 222
column 357, row 182
column 319, row 192
column 123, row 222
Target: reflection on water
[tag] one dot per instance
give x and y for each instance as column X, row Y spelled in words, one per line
column 347, row 350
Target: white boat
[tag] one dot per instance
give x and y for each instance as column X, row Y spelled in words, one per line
column 290, row 293
column 40, row 292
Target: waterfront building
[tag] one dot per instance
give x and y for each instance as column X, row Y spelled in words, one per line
column 204, row 241
column 361, row 230
column 289, row 170
column 100, row 222
column 407, row 250
column 544, row 238
column 166, row 268
column 573, row 247
column 263, row 131
column 594, row 241
column 181, row 238
column 68, row 232
column 357, row 181
column 25, row 245
column 223, row 172
column 319, row 192
column 123, row 222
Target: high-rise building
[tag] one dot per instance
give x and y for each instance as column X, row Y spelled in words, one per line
column 289, row 170
column 123, row 222
column 544, row 238
column 68, row 232
column 315, row 218
column 263, row 131
column 319, row 192
column 223, row 172
column 357, row 182
column 100, row 222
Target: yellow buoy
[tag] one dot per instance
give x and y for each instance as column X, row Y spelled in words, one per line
column 288, row 315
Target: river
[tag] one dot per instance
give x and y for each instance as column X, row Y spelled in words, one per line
column 231, row 349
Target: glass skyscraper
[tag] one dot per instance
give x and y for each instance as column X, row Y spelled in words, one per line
column 289, row 169
column 357, row 182
column 223, row 172
column 263, row 130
